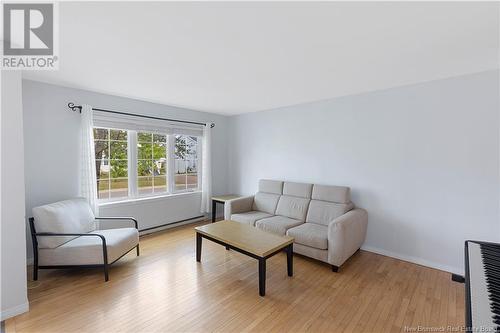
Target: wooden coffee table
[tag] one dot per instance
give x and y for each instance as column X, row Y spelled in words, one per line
column 248, row 240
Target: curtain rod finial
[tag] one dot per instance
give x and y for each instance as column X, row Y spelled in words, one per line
column 212, row 125
column 74, row 107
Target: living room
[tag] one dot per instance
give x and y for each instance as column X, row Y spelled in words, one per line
column 250, row 166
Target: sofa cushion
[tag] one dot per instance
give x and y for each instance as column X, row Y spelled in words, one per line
column 340, row 194
column 301, row 190
column 87, row 250
column 292, row 207
column 271, row 186
column 277, row 224
column 310, row 234
column 249, row 217
column 323, row 212
column 68, row 216
column 265, row 202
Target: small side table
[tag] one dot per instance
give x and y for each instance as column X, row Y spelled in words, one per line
column 221, row 199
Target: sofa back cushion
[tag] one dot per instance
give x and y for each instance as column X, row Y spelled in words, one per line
column 328, row 203
column 338, row 194
column 265, row 202
column 301, row 190
column 271, row 186
column 323, row 212
column 68, row 216
column 292, row 207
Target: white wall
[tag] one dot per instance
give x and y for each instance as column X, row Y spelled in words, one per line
column 14, row 299
column 51, row 134
column 422, row 159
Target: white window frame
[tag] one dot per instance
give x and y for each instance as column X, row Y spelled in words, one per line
column 132, row 151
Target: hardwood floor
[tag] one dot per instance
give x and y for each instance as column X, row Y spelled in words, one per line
column 165, row 289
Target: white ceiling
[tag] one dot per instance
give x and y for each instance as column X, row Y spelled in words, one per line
column 233, row 58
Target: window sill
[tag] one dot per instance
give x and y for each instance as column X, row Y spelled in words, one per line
column 139, row 200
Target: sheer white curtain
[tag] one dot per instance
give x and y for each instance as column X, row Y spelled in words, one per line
column 206, row 172
column 88, row 179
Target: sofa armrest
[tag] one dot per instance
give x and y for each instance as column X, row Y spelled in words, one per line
column 236, row 206
column 346, row 234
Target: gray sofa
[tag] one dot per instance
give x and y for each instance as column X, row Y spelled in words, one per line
column 322, row 219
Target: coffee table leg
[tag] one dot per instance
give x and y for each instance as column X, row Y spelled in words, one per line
column 289, row 259
column 198, row 247
column 262, row 277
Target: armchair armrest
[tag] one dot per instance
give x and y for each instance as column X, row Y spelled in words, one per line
column 103, row 240
column 346, row 234
column 119, row 218
column 236, row 206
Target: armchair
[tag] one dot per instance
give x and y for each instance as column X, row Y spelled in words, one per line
column 67, row 237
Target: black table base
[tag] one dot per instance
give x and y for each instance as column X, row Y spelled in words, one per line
column 262, row 260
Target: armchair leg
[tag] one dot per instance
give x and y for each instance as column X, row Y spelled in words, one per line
column 335, row 268
column 35, row 268
column 137, row 249
column 106, row 274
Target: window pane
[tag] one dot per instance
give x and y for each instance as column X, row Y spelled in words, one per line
column 118, row 150
column 180, row 182
column 191, row 166
column 103, row 189
column 144, row 151
column 144, row 137
column 160, row 184
column 101, row 134
column 159, row 151
column 145, row 185
column 119, row 135
column 145, row 168
column 180, row 166
column 118, row 169
column 180, row 140
column 180, row 151
column 102, row 169
column 192, row 180
column 119, row 188
column 159, row 138
column 101, row 149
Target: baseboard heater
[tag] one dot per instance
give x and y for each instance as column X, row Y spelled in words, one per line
column 172, row 223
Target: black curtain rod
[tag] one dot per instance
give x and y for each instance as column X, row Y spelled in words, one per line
column 78, row 108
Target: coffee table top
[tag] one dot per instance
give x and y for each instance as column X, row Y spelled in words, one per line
column 245, row 237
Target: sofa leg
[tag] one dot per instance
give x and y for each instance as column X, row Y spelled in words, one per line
column 335, row 268
column 137, row 249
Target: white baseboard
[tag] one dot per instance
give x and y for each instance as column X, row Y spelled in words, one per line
column 14, row 311
column 414, row 260
column 173, row 225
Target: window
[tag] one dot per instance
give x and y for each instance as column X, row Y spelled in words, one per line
column 186, row 162
column 111, row 162
column 151, row 163
column 140, row 163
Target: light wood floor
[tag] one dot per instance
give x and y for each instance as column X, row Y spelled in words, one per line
column 166, row 290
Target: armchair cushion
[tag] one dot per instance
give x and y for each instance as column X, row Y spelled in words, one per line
column 310, row 234
column 68, row 216
column 277, row 224
column 86, row 250
column 249, row 217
